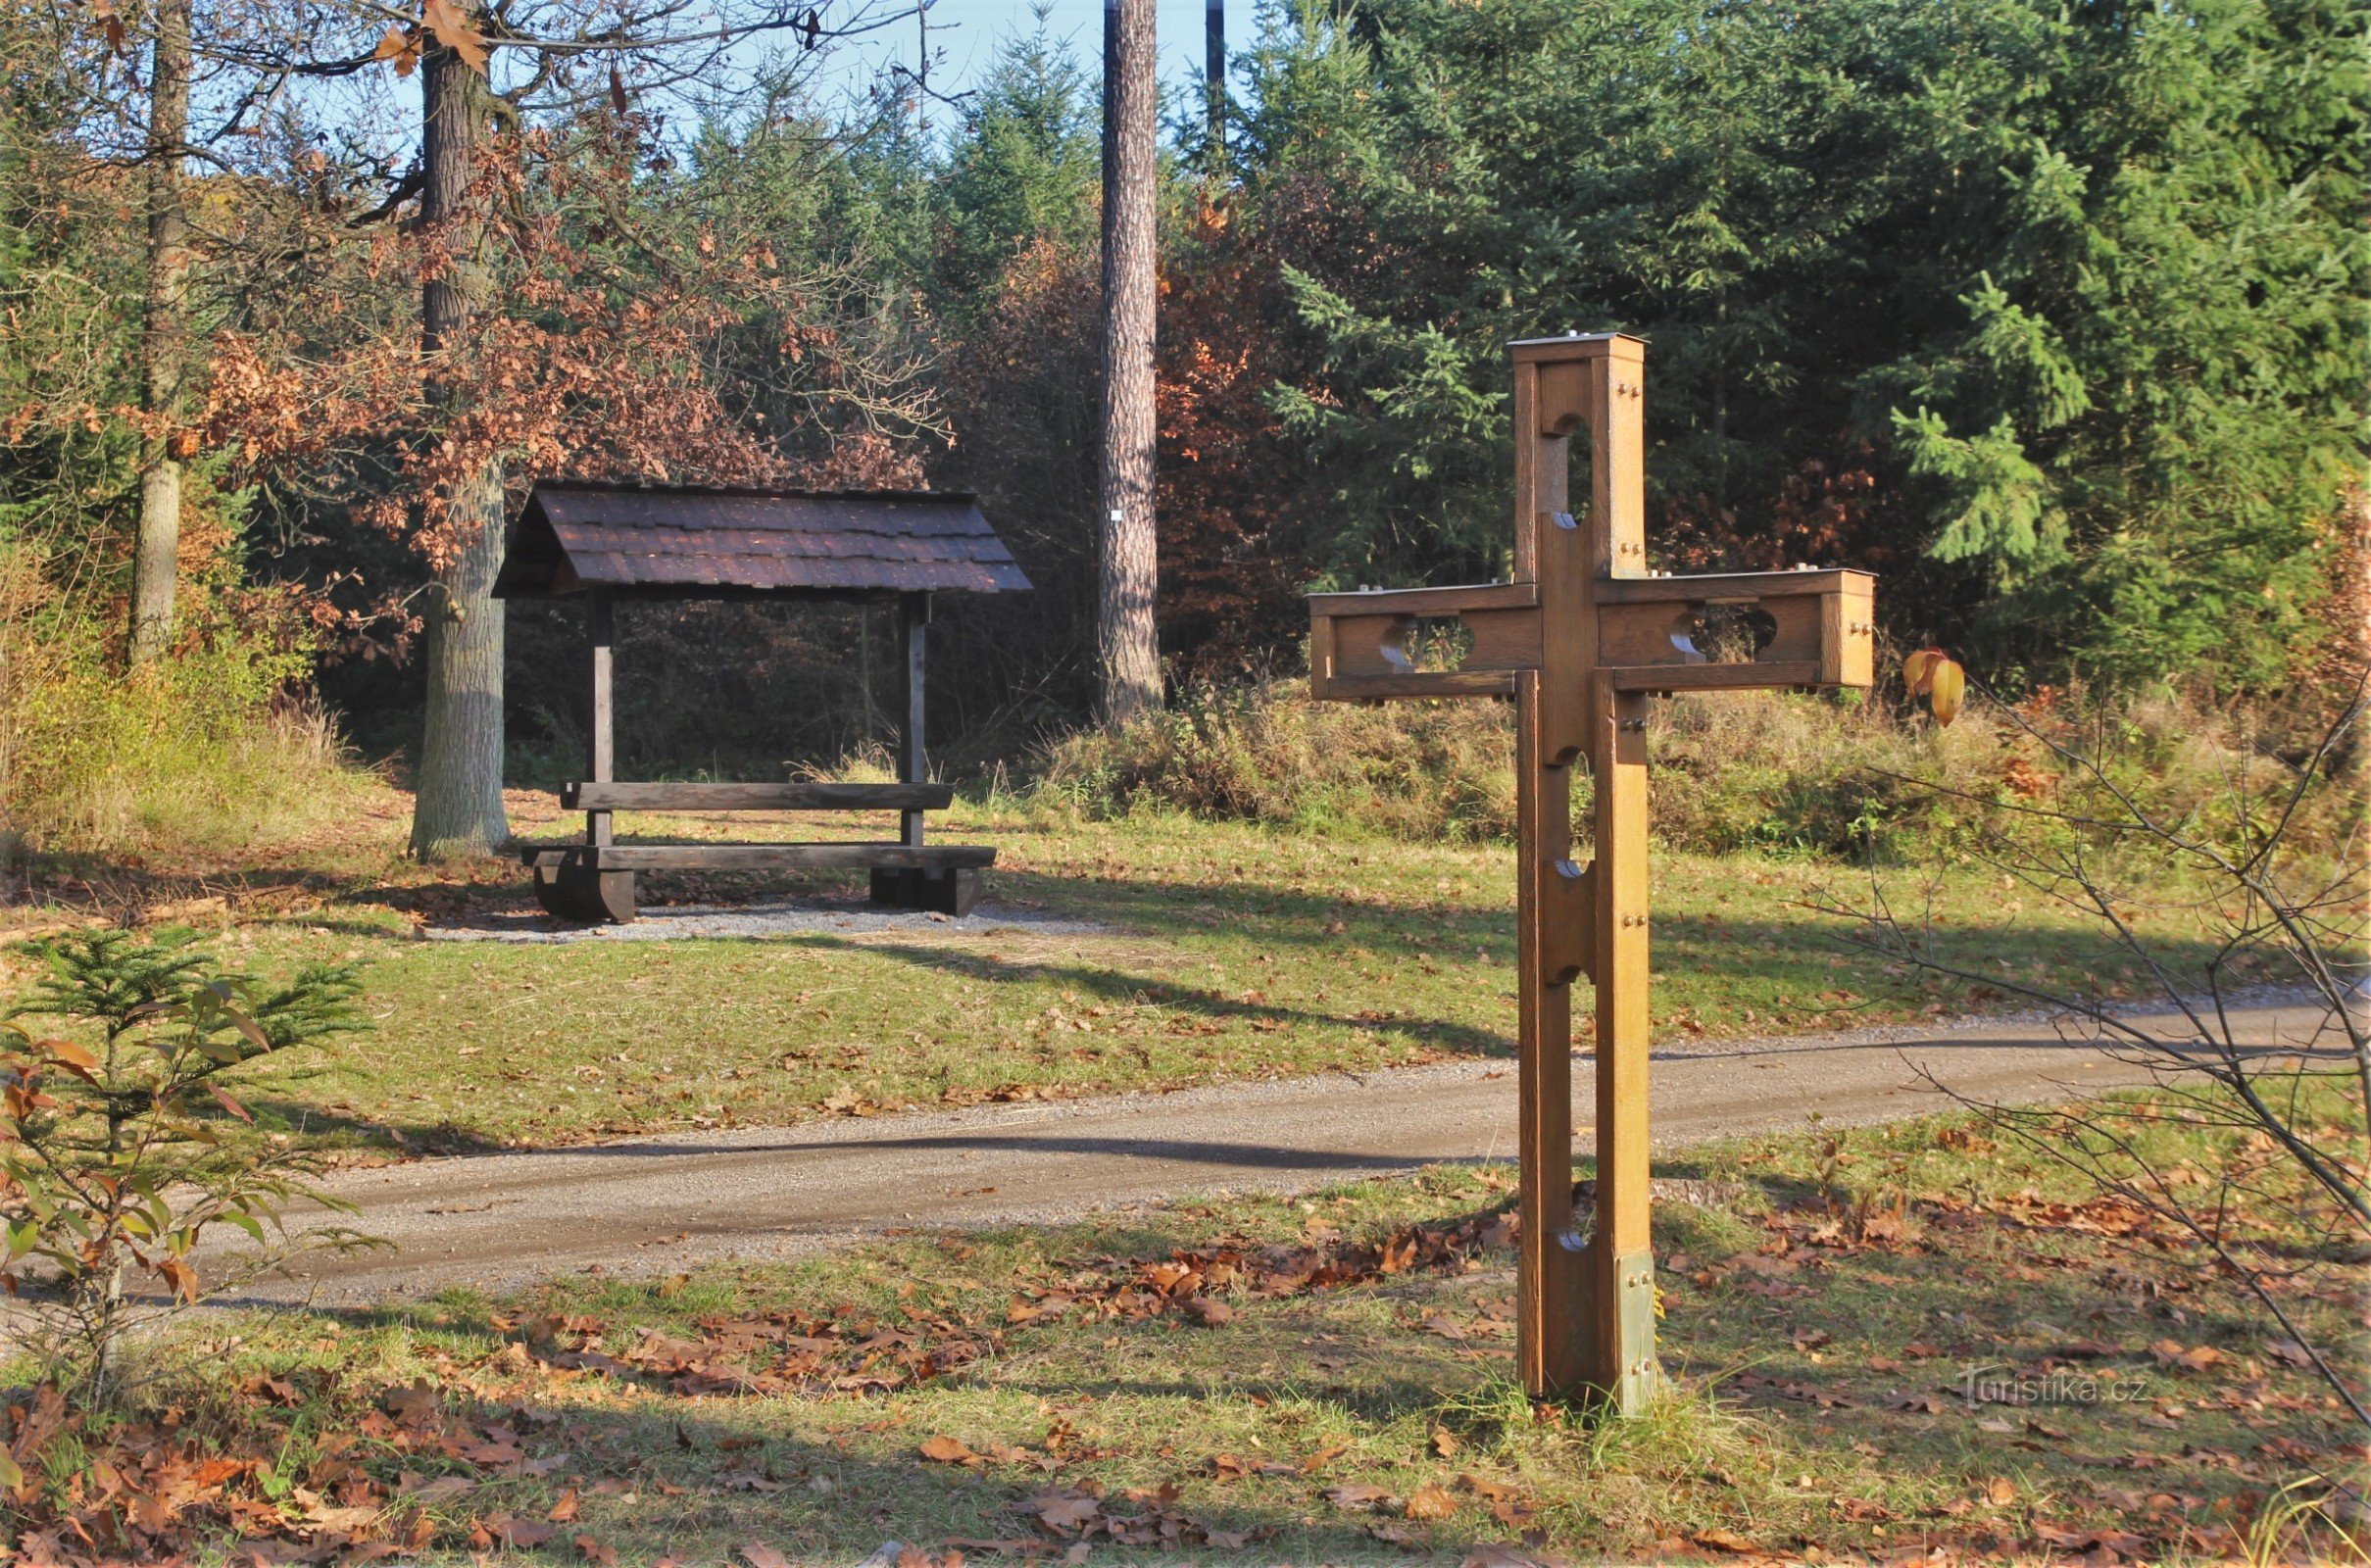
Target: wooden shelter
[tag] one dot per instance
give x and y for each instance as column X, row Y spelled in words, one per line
column 608, row 542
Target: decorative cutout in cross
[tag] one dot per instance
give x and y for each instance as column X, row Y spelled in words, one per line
column 1580, row 639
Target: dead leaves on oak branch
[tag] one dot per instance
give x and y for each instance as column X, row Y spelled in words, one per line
column 449, row 24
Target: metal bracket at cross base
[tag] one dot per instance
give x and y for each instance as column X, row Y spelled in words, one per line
column 1580, row 639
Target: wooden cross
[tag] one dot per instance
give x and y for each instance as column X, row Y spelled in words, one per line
column 1580, row 639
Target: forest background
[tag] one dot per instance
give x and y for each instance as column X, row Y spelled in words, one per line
column 2056, row 315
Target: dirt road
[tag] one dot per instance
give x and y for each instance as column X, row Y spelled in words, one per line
column 654, row 1205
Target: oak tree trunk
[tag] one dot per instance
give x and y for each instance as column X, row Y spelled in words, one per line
column 164, row 338
column 458, row 809
column 1128, row 657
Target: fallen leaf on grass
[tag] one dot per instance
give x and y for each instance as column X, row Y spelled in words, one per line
column 949, row 1450
column 1720, row 1540
column 2121, row 1543
column 1445, row 1442
column 1430, row 1501
column 2001, row 1491
column 2197, row 1358
column 1358, row 1495
column 760, row 1555
column 416, row 1402
column 593, row 1551
column 1508, row 1554
column 563, row 1512
column 1064, row 1510
column 1209, row 1312
column 1323, row 1458
column 444, row 1489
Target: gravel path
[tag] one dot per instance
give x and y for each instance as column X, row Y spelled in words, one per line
column 654, row 1205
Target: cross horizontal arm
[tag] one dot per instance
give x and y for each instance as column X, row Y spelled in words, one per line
column 1822, row 635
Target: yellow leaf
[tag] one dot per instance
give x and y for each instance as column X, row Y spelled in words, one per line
column 1948, row 690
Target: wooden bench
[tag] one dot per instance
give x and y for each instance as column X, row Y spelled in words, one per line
column 594, row 880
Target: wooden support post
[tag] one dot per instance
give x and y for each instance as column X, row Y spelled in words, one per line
column 947, row 889
column 571, row 885
column 601, row 767
column 1581, row 638
column 913, row 763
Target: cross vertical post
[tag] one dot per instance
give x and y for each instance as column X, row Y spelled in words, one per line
column 1580, row 639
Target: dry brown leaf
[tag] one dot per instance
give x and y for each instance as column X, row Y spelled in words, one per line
column 1430, row 1501
column 1508, row 1554
column 442, row 1488
column 1358, row 1495
column 563, row 1512
column 1209, row 1312
column 1064, row 1510
column 760, row 1555
column 451, row 24
column 596, row 1553
column 947, row 1450
column 2001, row 1491
column 1720, row 1540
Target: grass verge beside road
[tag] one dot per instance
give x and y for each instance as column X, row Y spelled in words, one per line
column 1200, row 953
column 1210, row 952
column 1898, row 1340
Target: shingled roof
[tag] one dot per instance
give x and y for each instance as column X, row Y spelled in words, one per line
column 693, row 542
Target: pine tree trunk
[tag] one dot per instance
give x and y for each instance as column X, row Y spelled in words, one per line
column 1128, row 657
column 1214, row 80
column 458, row 807
column 164, row 338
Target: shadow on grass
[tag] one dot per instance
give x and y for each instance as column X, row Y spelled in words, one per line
column 313, row 1122
column 1118, row 985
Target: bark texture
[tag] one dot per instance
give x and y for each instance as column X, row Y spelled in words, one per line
column 458, row 809
column 164, row 337
column 1128, row 657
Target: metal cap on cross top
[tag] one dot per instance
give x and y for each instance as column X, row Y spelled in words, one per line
column 1580, row 638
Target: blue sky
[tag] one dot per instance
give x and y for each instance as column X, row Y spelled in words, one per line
column 966, row 32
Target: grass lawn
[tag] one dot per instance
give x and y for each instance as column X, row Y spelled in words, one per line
column 1217, row 952
column 1319, row 1379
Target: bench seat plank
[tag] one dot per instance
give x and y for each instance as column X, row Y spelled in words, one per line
column 586, row 796
column 889, row 857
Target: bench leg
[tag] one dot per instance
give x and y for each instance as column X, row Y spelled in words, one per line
column 574, row 892
column 953, row 890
